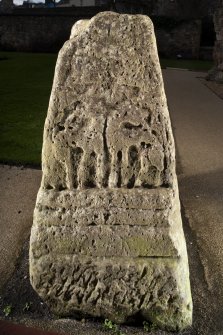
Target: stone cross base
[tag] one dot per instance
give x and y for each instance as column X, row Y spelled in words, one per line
column 107, row 238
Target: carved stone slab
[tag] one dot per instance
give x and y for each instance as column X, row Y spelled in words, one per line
column 107, row 236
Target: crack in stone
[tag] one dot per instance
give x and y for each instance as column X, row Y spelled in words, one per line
column 106, row 154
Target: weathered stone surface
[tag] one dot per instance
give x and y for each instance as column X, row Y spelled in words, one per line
column 117, row 288
column 107, row 236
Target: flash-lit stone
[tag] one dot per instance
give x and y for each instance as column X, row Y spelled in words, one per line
column 107, row 236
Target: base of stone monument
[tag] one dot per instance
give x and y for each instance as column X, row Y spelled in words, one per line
column 117, row 288
column 216, row 74
column 95, row 266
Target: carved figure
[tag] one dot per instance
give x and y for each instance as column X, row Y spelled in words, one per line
column 107, row 236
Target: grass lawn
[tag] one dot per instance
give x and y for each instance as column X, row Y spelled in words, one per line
column 25, row 85
column 194, row 65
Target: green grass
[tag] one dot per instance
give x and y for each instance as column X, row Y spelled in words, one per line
column 25, row 85
column 194, row 65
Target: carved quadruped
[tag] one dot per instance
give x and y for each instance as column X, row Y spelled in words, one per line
column 107, row 236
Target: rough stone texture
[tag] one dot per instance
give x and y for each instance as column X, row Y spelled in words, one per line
column 216, row 74
column 107, row 236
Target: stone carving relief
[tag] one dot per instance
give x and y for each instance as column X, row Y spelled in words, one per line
column 107, row 238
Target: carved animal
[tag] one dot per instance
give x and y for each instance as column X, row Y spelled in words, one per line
column 107, row 236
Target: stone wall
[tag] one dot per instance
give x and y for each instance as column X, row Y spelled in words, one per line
column 47, row 30
column 184, row 9
column 181, row 39
column 216, row 74
column 6, row 6
column 165, row 8
column 34, row 33
column 39, row 30
column 218, row 21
